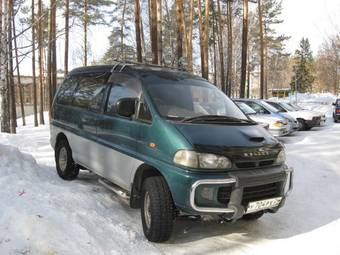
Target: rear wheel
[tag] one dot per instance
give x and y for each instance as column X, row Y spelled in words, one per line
column 66, row 167
column 253, row 216
column 157, row 210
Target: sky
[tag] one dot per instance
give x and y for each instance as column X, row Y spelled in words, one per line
column 313, row 19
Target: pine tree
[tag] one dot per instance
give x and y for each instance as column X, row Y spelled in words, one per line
column 303, row 77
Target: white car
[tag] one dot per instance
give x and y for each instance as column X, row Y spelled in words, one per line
column 322, row 115
column 307, row 119
column 277, row 126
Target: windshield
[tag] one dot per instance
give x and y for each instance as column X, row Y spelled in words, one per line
column 269, row 107
column 277, row 106
column 245, row 108
column 288, row 107
column 296, row 107
column 190, row 98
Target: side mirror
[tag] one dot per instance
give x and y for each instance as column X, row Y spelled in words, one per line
column 334, row 104
column 126, row 107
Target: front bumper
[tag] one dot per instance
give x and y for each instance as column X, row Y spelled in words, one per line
column 314, row 122
column 279, row 132
column 244, row 188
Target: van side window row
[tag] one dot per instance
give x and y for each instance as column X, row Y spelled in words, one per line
column 88, row 91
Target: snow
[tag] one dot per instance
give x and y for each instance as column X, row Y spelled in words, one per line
column 42, row 214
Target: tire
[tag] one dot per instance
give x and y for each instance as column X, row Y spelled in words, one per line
column 66, row 168
column 157, row 209
column 253, row 216
column 303, row 125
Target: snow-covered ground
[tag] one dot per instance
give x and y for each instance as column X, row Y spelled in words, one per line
column 42, row 214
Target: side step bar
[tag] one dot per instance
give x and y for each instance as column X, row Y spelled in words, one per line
column 115, row 188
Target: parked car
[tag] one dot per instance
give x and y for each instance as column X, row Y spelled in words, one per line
column 336, row 111
column 277, row 126
column 262, row 108
column 170, row 142
column 321, row 114
column 307, row 119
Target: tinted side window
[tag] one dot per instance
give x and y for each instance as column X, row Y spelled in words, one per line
column 65, row 94
column 123, row 86
column 90, row 91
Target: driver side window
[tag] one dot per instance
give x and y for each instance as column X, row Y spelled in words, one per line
column 122, row 86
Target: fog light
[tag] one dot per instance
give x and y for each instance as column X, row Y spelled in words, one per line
column 207, row 193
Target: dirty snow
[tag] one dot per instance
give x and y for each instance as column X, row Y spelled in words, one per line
column 42, row 214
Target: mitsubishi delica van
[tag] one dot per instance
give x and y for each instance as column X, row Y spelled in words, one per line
column 170, row 142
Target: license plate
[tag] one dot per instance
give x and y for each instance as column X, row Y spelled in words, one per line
column 263, row 204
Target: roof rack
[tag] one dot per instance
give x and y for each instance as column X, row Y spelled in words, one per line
column 125, row 63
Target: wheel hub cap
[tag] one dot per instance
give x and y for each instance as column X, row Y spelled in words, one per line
column 147, row 209
column 62, row 159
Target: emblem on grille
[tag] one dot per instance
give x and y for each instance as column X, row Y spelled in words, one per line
column 259, row 152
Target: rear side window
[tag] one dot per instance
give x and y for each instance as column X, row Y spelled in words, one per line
column 90, row 91
column 65, row 94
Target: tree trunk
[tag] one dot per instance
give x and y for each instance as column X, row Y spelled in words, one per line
column 20, row 86
column 202, row 39
column 4, row 93
column 13, row 114
column 230, row 48
column 35, row 110
column 244, row 49
column 122, row 25
column 180, row 32
column 159, row 32
column 51, row 56
column 261, row 50
column 220, row 45
column 138, row 31
column 214, row 45
column 205, row 41
column 41, row 64
column 67, row 18
column 85, row 32
column 154, row 31
column 189, row 36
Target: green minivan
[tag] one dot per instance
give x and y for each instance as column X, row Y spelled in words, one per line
column 168, row 141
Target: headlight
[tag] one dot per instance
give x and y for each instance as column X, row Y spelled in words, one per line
column 194, row 159
column 281, row 158
column 279, row 124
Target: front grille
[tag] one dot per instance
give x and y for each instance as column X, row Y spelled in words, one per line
column 250, row 194
column 254, row 164
column 261, row 192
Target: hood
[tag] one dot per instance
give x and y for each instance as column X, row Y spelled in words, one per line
column 236, row 142
column 306, row 115
column 265, row 118
column 230, row 136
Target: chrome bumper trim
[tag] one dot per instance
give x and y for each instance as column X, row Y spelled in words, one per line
column 209, row 209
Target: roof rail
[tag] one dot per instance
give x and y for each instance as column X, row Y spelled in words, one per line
column 125, row 63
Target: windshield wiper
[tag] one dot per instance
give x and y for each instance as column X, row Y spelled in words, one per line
column 216, row 118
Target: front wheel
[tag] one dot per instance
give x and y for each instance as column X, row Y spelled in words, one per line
column 157, row 209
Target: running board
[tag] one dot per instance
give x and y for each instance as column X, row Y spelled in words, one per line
column 115, row 188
